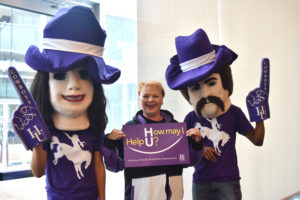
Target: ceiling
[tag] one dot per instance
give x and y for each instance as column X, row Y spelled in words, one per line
column 48, row 7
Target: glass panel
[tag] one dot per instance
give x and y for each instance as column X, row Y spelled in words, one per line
column 18, row 30
column 1, row 132
column 120, row 52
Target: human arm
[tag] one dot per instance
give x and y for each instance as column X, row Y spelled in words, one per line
column 100, row 174
column 256, row 136
column 38, row 161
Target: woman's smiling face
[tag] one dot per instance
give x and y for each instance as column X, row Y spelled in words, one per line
column 151, row 99
column 71, row 93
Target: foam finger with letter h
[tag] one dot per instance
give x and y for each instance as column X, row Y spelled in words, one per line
column 27, row 120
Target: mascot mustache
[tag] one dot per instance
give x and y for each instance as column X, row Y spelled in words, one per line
column 209, row 99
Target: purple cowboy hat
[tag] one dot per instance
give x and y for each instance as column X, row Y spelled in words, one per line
column 196, row 59
column 72, row 37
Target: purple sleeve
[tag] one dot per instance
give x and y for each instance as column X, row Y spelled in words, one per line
column 196, row 154
column 243, row 124
column 111, row 157
column 98, row 143
column 195, row 149
column 46, row 146
column 188, row 120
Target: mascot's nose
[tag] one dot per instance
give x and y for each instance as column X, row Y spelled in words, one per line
column 205, row 92
column 74, row 83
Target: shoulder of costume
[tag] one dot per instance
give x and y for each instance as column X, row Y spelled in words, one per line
column 169, row 114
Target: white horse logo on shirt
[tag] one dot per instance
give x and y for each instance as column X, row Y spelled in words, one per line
column 214, row 134
column 75, row 153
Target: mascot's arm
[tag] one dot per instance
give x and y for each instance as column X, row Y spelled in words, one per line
column 100, row 174
column 38, row 161
column 210, row 153
column 257, row 135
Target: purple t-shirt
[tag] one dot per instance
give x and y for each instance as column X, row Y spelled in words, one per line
column 70, row 170
column 220, row 134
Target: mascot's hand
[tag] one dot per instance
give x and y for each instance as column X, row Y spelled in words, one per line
column 257, row 100
column 27, row 121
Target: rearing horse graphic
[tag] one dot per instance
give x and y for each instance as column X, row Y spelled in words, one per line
column 214, row 134
column 75, row 153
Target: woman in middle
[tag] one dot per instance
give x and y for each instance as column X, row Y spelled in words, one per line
column 153, row 182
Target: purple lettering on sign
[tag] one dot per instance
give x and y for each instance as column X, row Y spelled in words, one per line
column 155, row 144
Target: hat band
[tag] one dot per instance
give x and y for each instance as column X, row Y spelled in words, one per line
column 198, row 62
column 73, row 46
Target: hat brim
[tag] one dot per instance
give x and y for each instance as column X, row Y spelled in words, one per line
column 177, row 79
column 62, row 61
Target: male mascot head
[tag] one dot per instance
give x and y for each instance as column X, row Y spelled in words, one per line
column 201, row 71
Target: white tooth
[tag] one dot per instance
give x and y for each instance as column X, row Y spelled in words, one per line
column 73, row 98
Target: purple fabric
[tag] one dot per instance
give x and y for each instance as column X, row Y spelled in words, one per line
column 78, row 24
column 70, row 170
column 225, row 168
column 62, row 24
column 112, row 160
column 195, row 156
column 191, row 47
column 132, row 193
column 167, row 118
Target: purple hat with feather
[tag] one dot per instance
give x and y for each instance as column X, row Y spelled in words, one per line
column 72, row 37
column 196, row 59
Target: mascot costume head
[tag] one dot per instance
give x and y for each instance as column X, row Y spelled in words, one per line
column 199, row 64
column 201, row 71
column 72, row 53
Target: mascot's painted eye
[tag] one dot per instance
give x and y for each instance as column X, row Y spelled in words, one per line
column 212, row 83
column 84, row 74
column 59, row 76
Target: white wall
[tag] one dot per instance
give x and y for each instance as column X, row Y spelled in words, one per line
column 253, row 29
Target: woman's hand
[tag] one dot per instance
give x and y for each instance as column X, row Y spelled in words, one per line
column 116, row 134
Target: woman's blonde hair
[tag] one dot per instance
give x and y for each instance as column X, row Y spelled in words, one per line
column 151, row 83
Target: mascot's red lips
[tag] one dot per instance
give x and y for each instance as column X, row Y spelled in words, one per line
column 73, row 98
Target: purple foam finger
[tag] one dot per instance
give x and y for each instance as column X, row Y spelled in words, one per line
column 27, row 121
column 257, row 104
column 20, row 87
column 257, row 100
